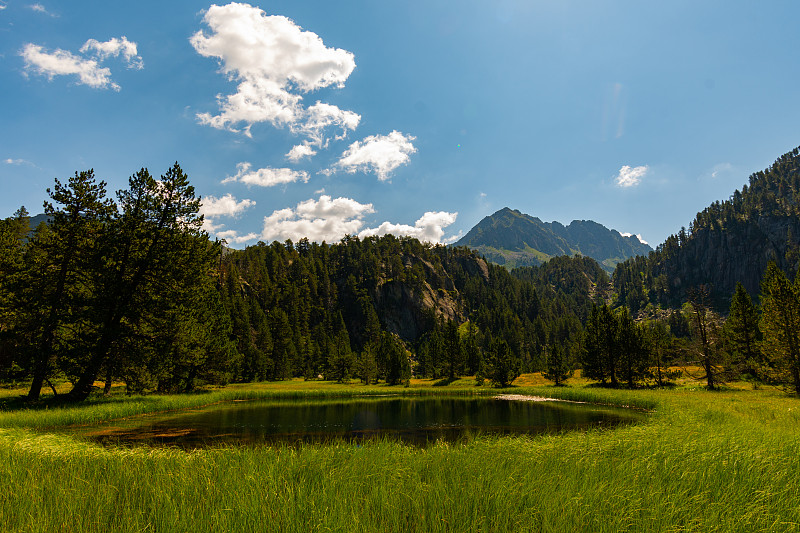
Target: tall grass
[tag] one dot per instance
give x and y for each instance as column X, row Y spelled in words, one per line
column 725, row 461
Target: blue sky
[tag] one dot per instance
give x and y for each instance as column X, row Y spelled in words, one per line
column 321, row 118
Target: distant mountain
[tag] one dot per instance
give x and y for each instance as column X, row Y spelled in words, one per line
column 35, row 220
column 515, row 239
column 728, row 242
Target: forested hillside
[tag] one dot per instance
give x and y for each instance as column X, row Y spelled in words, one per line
column 133, row 290
column 728, row 242
column 346, row 309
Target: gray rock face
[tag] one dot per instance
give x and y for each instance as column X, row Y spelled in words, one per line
column 721, row 257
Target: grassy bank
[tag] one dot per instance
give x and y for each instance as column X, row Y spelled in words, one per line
column 723, row 461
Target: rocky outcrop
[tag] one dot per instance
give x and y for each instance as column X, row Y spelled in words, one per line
column 404, row 305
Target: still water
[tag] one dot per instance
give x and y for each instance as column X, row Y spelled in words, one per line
column 412, row 420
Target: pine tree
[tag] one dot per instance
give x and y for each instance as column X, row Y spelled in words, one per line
column 559, row 365
column 706, row 336
column 62, row 270
column 151, row 249
column 502, row 367
column 780, row 324
column 742, row 334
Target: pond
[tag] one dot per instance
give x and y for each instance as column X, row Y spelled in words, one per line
column 416, row 421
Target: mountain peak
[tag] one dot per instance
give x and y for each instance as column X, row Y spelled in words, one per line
column 510, row 237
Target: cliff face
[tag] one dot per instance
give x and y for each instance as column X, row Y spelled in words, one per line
column 728, row 242
column 403, row 306
column 515, row 239
column 722, row 257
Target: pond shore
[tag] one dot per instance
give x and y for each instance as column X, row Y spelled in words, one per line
column 710, row 461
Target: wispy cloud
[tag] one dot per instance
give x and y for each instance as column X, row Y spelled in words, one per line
column 630, row 176
column 10, row 161
column 721, row 168
column 114, row 48
column 88, row 69
column 39, row 8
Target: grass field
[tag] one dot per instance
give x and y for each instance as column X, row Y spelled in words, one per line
column 703, row 461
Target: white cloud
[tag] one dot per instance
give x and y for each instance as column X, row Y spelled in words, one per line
column 224, row 206
column 64, row 63
column 380, row 154
column 232, row 236
column 113, row 48
column 453, row 238
column 266, row 177
column 630, row 177
column 3, row 6
column 10, row 161
column 39, row 8
column 212, row 207
column 638, row 236
column 324, row 220
column 321, row 117
column 429, row 228
column 721, row 168
column 272, row 58
column 329, row 219
column 299, row 152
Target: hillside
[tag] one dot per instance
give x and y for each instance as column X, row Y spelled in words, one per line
column 728, row 242
column 294, row 307
column 515, row 239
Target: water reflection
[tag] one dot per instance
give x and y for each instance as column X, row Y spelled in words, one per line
column 416, row 420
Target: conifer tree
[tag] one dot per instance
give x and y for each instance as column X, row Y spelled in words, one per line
column 145, row 257
column 742, row 334
column 706, row 336
column 559, row 366
column 502, row 368
column 62, row 270
column 780, row 324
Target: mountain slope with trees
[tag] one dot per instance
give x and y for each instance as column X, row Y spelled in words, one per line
column 728, row 242
column 511, row 238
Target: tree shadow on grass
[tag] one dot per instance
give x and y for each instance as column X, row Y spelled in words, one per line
column 17, row 403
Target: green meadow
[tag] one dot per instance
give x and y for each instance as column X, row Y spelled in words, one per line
column 701, row 461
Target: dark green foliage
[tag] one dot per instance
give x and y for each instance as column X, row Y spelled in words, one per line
column 662, row 352
column 742, row 335
column 559, row 365
column 706, row 336
column 601, row 349
column 122, row 292
column 502, row 366
column 780, row 324
column 729, row 242
column 62, row 267
column 634, row 356
column 398, row 366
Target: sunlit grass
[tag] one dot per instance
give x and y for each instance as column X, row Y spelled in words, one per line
column 703, row 461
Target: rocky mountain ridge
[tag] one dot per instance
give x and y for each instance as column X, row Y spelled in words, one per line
column 511, row 238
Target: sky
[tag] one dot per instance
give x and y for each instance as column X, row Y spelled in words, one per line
column 320, row 119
